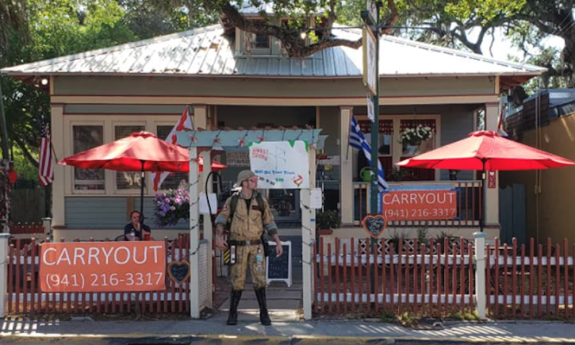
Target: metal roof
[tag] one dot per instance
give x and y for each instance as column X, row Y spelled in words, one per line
column 206, row 52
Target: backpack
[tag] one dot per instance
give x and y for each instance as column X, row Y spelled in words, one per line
column 261, row 205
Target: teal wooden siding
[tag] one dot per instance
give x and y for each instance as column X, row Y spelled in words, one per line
column 107, row 213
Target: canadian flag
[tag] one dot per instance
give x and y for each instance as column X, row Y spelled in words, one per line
column 185, row 122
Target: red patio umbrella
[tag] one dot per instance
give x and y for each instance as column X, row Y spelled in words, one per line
column 487, row 151
column 140, row 151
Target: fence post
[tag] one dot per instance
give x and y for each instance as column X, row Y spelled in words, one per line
column 47, row 223
column 4, row 243
column 480, row 295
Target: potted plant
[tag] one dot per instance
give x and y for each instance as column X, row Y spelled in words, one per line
column 415, row 136
column 326, row 221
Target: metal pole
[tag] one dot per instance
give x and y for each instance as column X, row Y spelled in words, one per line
column 375, row 209
column 3, row 127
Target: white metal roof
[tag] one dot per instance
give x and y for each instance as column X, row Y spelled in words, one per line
column 206, row 52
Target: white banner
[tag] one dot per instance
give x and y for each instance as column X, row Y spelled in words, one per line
column 280, row 164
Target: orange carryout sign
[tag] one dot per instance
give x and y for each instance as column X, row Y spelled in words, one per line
column 103, row 266
column 419, row 204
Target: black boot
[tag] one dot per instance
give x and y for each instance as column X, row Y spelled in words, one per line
column 264, row 316
column 235, row 297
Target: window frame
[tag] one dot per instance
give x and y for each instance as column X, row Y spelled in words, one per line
column 396, row 147
column 108, row 122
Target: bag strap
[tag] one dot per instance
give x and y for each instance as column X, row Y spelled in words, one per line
column 234, row 204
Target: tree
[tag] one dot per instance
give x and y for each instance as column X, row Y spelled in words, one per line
column 39, row 30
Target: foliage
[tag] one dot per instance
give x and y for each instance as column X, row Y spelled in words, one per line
column 328, row 219
column 415, row 136
column 398, row 174
column 171, row 206
column 44, row 30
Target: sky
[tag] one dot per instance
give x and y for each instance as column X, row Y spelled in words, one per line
column 502, row 46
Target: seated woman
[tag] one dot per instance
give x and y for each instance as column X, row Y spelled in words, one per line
column 132, row 230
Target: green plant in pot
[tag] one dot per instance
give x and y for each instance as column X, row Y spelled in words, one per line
column 327, row 220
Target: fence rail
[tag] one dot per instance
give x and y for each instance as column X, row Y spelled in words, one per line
column 25, row 297
column 439, row 279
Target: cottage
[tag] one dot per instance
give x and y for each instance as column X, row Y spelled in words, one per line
column 230, row 79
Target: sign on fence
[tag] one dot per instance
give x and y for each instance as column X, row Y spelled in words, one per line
column 279, row 269
column 420, row 203
column 103, row 266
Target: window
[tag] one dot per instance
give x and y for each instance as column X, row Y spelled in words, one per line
column 262, row 41
column 174, row 180
column 87, row 137
column 128, row 180
column 416, row 137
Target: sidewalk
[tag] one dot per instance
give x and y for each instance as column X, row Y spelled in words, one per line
column 343, row 332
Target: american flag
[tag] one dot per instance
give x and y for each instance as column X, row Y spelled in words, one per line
column 45, row 169
column 357, row 140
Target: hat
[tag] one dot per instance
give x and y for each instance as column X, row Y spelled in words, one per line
column 244, row 175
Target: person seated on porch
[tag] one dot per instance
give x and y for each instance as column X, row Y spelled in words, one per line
column 132, row 230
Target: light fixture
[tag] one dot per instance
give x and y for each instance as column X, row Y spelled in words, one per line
column 303, row 35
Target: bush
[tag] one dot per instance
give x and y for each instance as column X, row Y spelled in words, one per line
column 328, row 220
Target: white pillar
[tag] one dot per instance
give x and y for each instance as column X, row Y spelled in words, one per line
column 58, row 186
column 346, row 165
column 308, row 239
column 4, row 242
column 492, row 194
column 47, row 224
column 480, row 267
column 208, row 231
column 201, row 116
column 194, row 235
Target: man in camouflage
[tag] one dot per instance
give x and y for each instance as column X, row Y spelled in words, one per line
column 247, row 226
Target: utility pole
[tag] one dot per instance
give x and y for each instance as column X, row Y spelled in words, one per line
column 371, row 20
column 3, row 129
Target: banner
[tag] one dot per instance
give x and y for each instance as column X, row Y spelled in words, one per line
column 103, row 266
column 280, row 164
column 419, row 203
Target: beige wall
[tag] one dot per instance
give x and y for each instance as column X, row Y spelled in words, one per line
column 251, row 87
column 549, row 204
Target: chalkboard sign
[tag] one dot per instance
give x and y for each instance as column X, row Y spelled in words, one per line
column 279, row 269
column 374, row 225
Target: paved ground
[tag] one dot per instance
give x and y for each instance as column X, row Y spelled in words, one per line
column 335, row 332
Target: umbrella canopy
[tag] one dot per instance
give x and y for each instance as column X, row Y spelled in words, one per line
column 140, row 151
column 486, row 150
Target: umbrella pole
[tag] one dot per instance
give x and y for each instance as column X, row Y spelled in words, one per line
column 143, row 177
column 483, row 197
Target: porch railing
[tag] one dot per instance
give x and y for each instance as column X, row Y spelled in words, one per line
column 468, row 204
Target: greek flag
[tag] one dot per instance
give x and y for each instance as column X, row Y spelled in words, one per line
column 357, row 140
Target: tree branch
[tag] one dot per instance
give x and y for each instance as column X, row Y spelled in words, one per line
column 24, row 149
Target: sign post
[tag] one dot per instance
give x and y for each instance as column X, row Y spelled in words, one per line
column 371, row 79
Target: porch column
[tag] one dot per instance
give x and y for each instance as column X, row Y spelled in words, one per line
column 200, row 116
column 346, row 166
column 492, row 194
column 194, row 236
column 57, row 136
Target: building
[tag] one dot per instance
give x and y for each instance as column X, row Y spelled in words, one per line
column 232, row 79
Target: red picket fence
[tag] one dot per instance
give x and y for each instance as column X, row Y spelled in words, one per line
column 25, row 297
column 438, row 279
column 25, row 232
column 402, row 276
column 530, row 282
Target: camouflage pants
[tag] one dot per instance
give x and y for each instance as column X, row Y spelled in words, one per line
column 246, row 255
